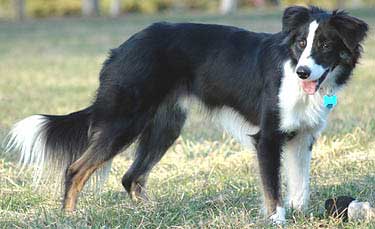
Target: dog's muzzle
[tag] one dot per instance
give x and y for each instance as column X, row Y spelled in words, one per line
column 310, row 86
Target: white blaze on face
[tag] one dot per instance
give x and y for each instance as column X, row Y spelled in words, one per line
column 306, row 59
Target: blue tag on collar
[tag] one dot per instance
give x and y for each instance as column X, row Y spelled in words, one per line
column 330, row 101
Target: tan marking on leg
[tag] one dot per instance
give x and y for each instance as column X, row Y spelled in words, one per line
column 138, row 193
column 78, row 181
column 270, row 204
column 80, row 161
column 138, row 189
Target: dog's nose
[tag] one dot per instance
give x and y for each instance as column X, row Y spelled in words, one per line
column 303, row 72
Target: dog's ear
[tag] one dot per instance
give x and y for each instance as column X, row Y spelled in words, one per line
column 350, row 29
column 294, row 17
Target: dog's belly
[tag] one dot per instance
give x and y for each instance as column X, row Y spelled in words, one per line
column 236, row 126
column 229, row 119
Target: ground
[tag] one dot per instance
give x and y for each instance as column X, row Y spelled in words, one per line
column 206, row 179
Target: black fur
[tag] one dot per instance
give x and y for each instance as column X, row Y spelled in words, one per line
column 62, row 130
column 144, row 78
column 338, row 207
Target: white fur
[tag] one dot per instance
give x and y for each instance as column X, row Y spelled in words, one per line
column 298, row 110
column 297, row 157
column 236, row 126
column 27, row 137
column 306, row 58
column 231, row 121
column 279, row 216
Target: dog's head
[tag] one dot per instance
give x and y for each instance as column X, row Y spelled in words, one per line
column 323, row 44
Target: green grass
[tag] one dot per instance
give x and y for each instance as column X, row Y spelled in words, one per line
column 206, row 179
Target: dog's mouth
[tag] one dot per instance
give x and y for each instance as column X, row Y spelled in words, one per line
column 312, row 86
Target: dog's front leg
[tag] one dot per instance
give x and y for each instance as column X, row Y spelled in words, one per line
column 269, row 156
column 297, row 156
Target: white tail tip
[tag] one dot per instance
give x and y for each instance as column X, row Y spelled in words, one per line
column 28, row 138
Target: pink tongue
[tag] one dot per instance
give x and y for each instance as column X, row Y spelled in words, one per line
column 309, row 86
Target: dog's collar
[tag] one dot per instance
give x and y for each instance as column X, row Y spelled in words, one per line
column 323, row 77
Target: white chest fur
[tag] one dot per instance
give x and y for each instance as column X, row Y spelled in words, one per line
column 297, row 109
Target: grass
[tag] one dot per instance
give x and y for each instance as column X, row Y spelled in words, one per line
column 206, row 179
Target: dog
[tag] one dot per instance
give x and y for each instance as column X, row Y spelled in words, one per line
column 267, row 90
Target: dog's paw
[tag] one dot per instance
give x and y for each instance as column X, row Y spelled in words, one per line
column 138, row 193
column 279, row 216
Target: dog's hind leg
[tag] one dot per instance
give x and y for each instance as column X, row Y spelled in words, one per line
column 154, row 141
column 109, row 138
column 76, row 176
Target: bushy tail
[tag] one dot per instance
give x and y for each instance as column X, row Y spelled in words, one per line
column 50, row 142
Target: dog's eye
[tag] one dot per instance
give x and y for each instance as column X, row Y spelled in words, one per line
column 325, row 45
column 302, row 43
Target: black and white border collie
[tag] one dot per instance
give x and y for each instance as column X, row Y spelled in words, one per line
column 265, row 89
